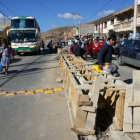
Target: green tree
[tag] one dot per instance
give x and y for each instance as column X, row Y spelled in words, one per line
column 111, row 32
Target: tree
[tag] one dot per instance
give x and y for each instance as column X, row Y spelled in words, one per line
column 111, row 32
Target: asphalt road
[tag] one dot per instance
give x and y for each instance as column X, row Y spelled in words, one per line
column 34, row 117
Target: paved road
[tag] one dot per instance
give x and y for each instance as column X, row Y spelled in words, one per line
column 39, row 116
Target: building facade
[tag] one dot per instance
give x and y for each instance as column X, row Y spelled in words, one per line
column 120, row 22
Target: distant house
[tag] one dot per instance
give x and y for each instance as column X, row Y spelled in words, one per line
column 103, row 25
column 121, row 22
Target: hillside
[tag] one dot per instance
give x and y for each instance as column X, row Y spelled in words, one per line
column 59, row 32
column 6, row 24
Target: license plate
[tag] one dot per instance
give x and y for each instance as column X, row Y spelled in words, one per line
column 24, row 50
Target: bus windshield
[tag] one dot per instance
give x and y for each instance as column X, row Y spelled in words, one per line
column 23, row 36
column 22, row 23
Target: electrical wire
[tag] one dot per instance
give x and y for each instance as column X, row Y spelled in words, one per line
column 5, row 15
column 48, row 9
column 12, row 12
column 45, row 7
column 99, row 10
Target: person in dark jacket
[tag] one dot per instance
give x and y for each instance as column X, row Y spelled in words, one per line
column 76, row 49
column 106, row 51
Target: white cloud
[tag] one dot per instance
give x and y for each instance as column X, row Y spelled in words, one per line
column 105, row 13
column 69, row 16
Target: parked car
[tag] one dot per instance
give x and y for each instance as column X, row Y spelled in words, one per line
column 93, row 46
column 130, row 53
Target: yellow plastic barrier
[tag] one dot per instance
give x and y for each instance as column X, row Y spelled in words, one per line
column 49, row 91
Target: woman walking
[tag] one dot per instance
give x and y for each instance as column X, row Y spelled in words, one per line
column 6, row 53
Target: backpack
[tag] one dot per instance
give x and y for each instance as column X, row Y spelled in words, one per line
column 48, row 46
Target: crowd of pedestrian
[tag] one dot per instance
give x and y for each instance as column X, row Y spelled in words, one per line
column 79, row 48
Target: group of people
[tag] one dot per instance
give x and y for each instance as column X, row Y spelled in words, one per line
column 5, row 55
column 104, row 55
column 50, row 46
column 78, row 48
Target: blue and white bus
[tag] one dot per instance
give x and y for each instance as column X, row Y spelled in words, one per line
column 25, row 34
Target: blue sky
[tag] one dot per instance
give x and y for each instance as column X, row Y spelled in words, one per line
column 57, row 13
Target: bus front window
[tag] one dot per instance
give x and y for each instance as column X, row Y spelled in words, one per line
column 23, row 36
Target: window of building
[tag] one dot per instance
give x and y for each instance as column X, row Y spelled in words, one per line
column 112, row 21
column 96, row 28
column 122, row 19
column 129, row 17
column 105, row 25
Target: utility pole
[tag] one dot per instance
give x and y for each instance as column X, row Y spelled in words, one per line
column 135, row 19
column 4, row 19
column 77, row 14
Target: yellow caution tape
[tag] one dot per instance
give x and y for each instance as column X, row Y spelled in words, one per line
column 11, row 94
column 21, row 92
column 58, row 89
column 30, row 92
column 40, row 90
column 49, row 91
column 3, row 93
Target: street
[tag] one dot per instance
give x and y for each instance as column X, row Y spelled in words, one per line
column 34, row 117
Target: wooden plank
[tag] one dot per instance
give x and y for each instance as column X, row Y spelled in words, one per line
column 84, row 87
column 83, row 131
column 119, row 111
column 136, row 111
column 91, row 120
column 80, row 118
column 134, row 104
column 113, row 85
column 85, row 103
column 96, row 90
column 116, row 89
column 127, row 124
column 132, row 131
column 89, row 108
column 91, row 117
column 84, row 100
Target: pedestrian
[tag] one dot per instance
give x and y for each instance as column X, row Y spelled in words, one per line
column 106, row 51
column 6, row 53
column 71, row 46
column 124, row 40
column 50, row 46
column 42, row 48
column 76, row 49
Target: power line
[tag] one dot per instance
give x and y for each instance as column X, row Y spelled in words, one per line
column 4, row 15
column 99, row 10
column 8, row 8
column 46, row 8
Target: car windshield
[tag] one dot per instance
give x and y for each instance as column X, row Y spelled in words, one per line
column 23, row 36
column 136, row 44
